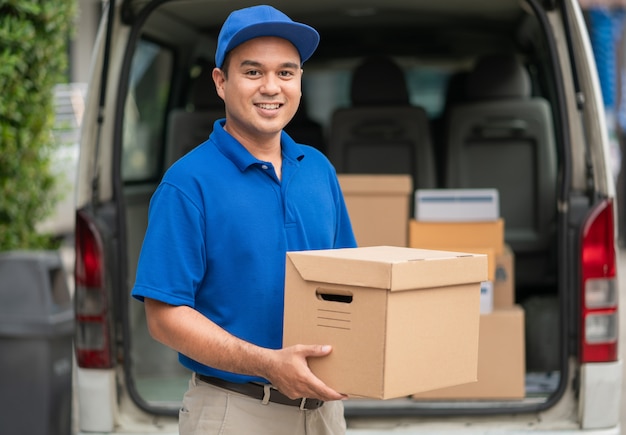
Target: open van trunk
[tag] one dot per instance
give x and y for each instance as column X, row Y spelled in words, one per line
column 499, row 105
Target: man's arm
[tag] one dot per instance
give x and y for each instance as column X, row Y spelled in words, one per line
column 189, row 332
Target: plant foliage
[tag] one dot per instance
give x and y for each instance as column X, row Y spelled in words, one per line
column 34, row 35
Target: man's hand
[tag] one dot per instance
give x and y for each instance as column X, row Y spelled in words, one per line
column 291, row 375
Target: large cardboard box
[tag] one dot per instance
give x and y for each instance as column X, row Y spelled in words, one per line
column 379, row 207
column 400, row 320
column 501, row 360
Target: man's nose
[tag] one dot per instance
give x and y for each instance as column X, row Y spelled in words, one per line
column 271, row 85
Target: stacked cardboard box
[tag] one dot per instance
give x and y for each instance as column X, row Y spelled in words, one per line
column 501, row 361
column 400, row 320
column 501, row 366
column 379, row 207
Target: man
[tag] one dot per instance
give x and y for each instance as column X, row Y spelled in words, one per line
column 212, row 266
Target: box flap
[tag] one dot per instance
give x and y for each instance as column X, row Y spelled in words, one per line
column 389, row 267
column 370, row 184
column 330, row 266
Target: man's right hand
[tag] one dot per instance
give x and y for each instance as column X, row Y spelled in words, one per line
column 291, row 375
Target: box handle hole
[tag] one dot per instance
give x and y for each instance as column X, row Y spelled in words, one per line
column 334, row 295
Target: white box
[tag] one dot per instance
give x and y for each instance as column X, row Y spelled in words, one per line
column 456, row 205
column 486, row 297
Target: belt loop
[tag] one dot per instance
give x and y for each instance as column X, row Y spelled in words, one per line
column 266, row 394
column 303, row 404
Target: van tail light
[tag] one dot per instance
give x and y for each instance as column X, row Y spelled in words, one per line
column 599, row 287
column 93, row 338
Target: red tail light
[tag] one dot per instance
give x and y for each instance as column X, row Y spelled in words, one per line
column 92, row 341
column 599, row 287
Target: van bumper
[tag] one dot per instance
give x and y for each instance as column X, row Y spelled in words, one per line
column 600, row 394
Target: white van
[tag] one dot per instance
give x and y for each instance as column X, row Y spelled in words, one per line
column 483, row 94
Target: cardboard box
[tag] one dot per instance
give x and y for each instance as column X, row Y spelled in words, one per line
column 456, row 205
column 379, row 207
column 400, row 320
column 457, row 235
column 504, row 283
column 501, row 360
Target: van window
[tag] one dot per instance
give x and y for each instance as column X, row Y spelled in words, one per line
column 427, row 88
column 144, row 114
column 325, row 90
column 328, row 88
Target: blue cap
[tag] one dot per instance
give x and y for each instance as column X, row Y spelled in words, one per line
column 253, row 22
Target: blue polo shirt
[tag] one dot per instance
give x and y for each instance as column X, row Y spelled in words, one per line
column 219, row 226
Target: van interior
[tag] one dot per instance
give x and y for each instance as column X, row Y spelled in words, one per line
column 456, row 94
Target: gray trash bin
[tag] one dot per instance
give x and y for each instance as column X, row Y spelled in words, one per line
column 36, row 332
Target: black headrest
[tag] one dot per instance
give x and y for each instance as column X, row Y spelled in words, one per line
column 202, row 93
column 378, row 80
column 496, row 77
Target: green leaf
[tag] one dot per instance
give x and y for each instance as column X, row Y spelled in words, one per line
column 33, row 59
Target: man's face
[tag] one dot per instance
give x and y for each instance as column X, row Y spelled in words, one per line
column 263, row 88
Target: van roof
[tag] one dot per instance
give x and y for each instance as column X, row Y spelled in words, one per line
column 414, row 26
column 196, row 12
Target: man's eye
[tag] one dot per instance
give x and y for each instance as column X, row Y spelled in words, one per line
column 253, row 73
column 286, row 74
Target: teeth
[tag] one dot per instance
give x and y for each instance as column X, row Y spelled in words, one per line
column 269, row 106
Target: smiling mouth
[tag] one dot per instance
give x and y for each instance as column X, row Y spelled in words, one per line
column 269, row 106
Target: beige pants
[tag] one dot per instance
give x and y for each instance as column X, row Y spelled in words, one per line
column 209, row 410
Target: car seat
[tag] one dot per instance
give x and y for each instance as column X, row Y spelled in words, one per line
column 188, row 127
column 502, row 137
column 382, row 133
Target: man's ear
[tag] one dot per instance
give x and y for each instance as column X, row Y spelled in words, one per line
column 219, row 78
